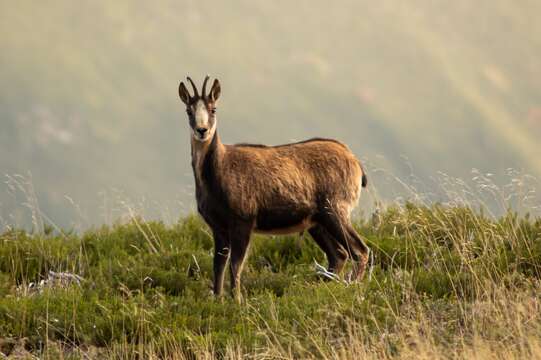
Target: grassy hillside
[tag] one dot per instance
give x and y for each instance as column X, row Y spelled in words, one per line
column 446, row 283
column 88, row 101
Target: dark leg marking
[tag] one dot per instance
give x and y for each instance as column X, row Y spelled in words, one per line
column 221, row 255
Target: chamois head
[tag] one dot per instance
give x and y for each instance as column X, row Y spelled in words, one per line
column 201, row 109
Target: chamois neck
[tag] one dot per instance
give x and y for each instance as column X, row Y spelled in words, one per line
column 208, row 152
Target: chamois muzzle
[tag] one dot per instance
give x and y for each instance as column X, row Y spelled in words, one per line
column 202, row 132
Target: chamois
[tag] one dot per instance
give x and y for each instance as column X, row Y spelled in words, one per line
column 309, row 185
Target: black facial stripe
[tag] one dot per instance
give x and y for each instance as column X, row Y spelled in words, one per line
column 211, row 109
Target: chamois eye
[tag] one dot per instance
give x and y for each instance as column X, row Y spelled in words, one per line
column 189, row 112
column 213, row 111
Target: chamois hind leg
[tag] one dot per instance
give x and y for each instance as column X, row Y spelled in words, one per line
column 221, row 255
column 240, row 239
column 336, row 254
column 340, row 228
column 359, row 246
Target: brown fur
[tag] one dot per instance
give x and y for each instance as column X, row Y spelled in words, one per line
column 302, row 177
column 243, row 188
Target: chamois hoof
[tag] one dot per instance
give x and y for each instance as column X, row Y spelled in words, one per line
column 360, row 269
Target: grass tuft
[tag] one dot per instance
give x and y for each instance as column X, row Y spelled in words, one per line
column 448, row 282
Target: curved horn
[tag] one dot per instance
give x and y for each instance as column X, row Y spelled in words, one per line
column 204, row 91
column 195, row 93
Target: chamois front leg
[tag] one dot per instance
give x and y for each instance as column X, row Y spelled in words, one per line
column 221, row 255
column 240, row 239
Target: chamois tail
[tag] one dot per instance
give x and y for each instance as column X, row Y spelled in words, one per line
column 364, row 179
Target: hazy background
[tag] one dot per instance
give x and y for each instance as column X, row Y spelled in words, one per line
column 90, row 115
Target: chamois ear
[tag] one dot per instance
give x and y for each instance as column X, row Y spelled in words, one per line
column 183, row 93
column 215, row 90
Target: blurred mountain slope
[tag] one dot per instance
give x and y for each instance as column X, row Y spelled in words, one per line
column 88, row 95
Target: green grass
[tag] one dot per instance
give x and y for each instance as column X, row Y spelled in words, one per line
column 447, row 282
